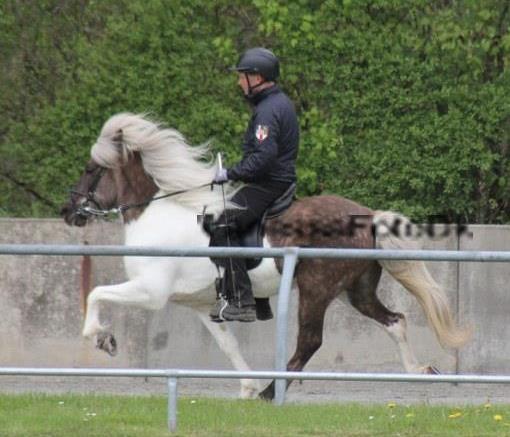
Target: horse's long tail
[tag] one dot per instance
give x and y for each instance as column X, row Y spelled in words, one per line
column 394, row 231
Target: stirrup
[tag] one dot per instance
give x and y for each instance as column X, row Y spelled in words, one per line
column 216, row 313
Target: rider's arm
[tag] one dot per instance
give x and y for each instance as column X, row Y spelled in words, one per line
column 262, row 148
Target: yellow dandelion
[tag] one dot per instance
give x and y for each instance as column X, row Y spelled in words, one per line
column 455, row 415
column 410, row 415
column 487, row 406
column 391, row 404
column 497, row 417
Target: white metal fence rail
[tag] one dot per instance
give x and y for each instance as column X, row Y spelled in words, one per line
column 290, row 256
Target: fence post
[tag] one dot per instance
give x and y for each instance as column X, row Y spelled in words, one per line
column 172, row 404
column 289, row 264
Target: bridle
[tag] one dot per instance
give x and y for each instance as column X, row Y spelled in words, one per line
column 86, row 209
column 92, row 207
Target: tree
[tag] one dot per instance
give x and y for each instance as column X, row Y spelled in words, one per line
column 402, row 105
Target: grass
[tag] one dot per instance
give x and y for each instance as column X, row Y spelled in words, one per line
column 117, row 416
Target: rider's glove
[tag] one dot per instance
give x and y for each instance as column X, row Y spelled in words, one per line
column 221, row 176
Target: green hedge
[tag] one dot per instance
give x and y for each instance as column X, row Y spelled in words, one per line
column 403, row 104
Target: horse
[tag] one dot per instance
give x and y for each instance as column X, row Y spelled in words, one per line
column 159, row 183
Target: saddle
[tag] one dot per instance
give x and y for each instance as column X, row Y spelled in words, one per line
column 254, row 236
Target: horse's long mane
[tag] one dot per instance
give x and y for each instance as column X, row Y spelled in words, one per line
column 166, row 156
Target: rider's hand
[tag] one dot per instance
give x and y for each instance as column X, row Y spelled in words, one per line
column 221, row 176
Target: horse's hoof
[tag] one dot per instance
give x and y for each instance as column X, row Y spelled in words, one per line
column 106, row 342
column 431, row 370
column 268, row 393
column 249, row 391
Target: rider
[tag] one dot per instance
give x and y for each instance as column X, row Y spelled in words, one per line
column 268, row 167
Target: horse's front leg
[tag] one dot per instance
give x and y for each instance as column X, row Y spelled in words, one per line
column 230, row 347
column 132, row 293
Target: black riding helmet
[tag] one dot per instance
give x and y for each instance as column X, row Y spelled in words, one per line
column 261, row 61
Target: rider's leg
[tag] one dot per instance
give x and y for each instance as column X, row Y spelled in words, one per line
column 241, row 306
column 253, row 201
column 235, row 297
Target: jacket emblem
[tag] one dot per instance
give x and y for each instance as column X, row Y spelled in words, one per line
column 261, row 132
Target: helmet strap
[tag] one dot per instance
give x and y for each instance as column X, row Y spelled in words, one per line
column 252, row 88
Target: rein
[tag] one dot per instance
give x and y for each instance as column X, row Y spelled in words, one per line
column 87, row 210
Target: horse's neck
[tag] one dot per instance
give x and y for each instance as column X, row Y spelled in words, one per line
column 134, row 187
column 166, row 222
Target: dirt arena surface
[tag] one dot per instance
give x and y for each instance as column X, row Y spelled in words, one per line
column 308, row 391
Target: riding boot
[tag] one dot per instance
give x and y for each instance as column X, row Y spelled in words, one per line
column 242, row 306
column 263, row 308
column 219, row 237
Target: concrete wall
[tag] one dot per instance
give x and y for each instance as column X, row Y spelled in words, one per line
column 41, row 318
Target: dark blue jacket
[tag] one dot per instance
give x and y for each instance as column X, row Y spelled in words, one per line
column 271, row 140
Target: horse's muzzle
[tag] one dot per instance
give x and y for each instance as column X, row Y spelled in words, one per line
column 71, row 215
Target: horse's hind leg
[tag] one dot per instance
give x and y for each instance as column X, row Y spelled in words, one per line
column 364, row 298
column 313, row 302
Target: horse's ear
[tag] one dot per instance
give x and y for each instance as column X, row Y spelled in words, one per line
column 117, row 138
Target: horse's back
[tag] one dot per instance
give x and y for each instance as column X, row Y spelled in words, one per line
column 323, row 221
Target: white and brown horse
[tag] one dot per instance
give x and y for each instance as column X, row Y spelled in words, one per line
column 136, row 159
